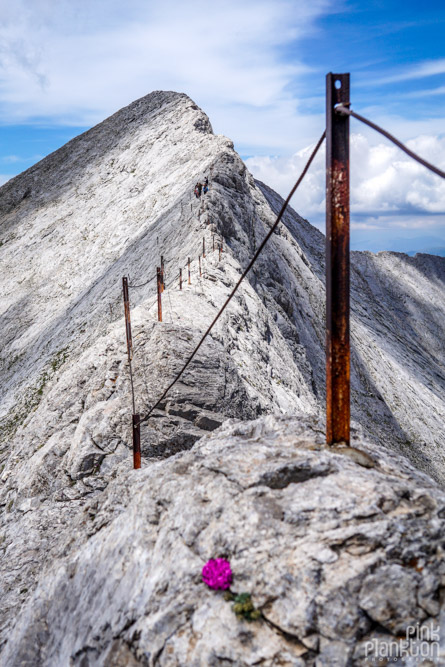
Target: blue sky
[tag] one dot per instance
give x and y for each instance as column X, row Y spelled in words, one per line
column 258, row 69
column 395, row 53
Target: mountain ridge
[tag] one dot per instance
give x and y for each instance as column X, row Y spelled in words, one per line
column 140, row 211
column 66, row 397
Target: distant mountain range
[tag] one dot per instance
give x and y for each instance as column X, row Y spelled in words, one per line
column 429, row 251
column 429, row 245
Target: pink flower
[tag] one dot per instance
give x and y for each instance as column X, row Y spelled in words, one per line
column 217, row 574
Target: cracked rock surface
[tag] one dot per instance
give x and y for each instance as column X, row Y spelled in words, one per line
column 338, row 547
column 100, row 565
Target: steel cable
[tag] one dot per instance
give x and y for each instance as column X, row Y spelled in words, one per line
column 167, row 285
column 344, row 111
column 142, row 284
column 244, row 274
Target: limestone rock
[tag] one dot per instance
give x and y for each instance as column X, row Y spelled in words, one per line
column 101, row 565
column 331, row 557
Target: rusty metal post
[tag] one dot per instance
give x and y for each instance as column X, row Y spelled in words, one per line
column 203, row 248
column 136, row 427
column 127, row 318
column 162, row 274
column 220, row 251
column 188, row 265
column 159, row 286
column 180, row 278
column 199, row 260
column 136, row 441
column 337, row 262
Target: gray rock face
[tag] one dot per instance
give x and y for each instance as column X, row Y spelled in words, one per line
column 116, row 198
column 398, row 313
column 338, row 547
column 86, row 558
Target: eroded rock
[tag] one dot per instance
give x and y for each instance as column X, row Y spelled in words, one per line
column 332, row 560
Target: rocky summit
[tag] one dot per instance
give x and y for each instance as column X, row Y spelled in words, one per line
column 340, row 549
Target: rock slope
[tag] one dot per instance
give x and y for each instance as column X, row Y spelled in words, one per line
column 340, row 548
column 109, row 204
column 115, row 199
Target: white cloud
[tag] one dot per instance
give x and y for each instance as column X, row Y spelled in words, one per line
column 75, row 63
column 384, row 181
column 414, row 222
column 14, row 159
column 11, row 158
column 420, row 94
column 418, row 71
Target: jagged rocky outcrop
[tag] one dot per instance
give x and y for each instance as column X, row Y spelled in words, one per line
column 109, row 204
column 341, row 549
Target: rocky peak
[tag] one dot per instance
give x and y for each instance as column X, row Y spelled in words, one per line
column 109, row 204
column 45, row 180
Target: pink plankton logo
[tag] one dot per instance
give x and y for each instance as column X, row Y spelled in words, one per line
column 421, row 643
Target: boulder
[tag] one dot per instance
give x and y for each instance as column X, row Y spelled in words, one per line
column 340, row 553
